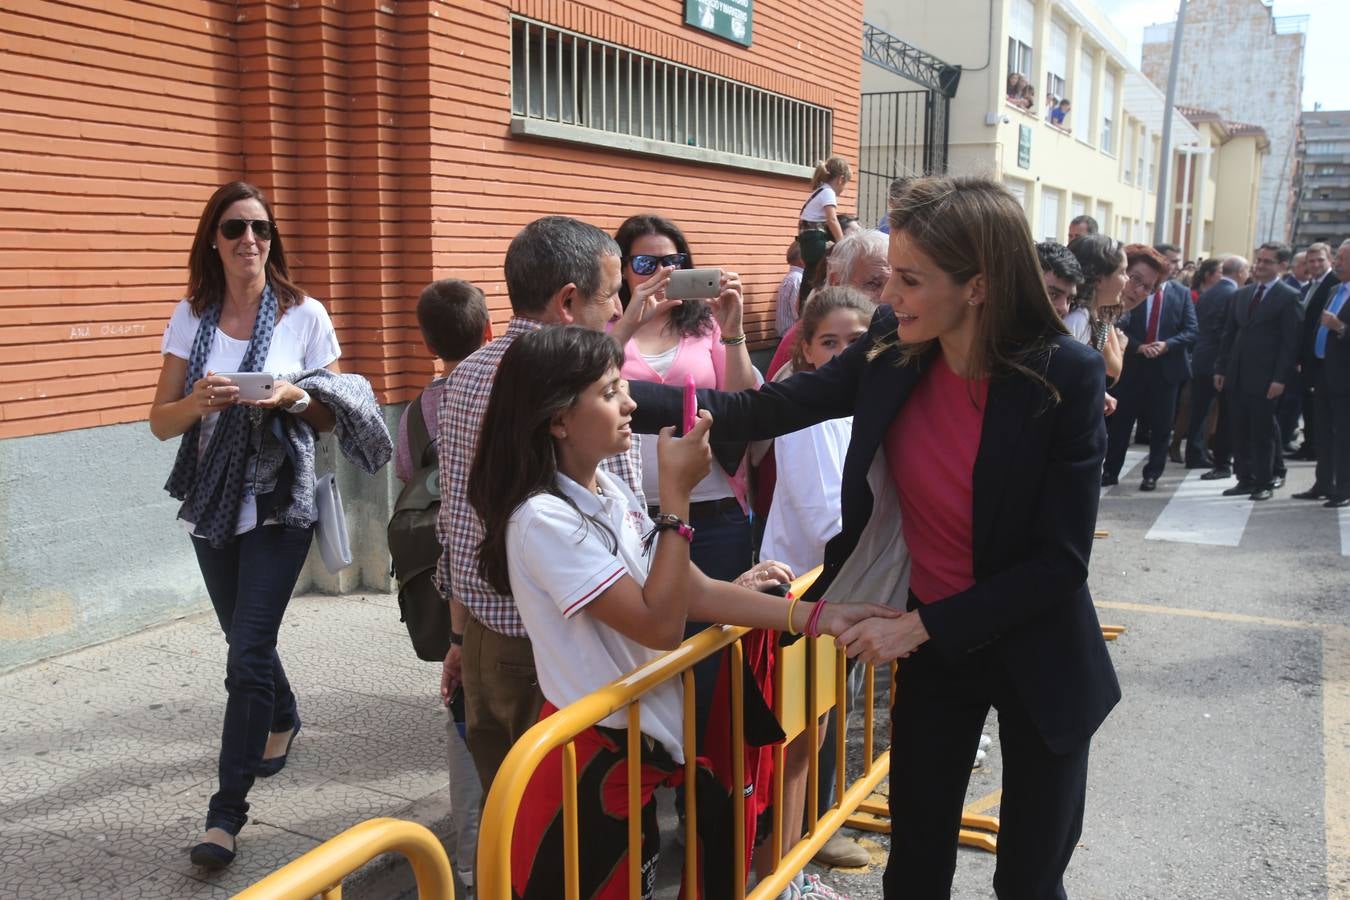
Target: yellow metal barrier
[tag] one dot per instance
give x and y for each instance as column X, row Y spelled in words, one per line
column 798, row 710
column 321, row 870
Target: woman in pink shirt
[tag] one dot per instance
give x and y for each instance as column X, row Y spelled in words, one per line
column 968, row 497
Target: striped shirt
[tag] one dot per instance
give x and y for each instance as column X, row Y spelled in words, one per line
column 463, row 405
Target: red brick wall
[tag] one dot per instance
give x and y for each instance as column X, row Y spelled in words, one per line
column 381, row 132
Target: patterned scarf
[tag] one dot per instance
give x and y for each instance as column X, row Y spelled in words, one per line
column 212, row 487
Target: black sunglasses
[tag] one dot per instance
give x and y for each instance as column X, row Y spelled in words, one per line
column 646, row 264
column 233, row 228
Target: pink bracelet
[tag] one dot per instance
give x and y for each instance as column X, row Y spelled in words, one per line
column 813, row 620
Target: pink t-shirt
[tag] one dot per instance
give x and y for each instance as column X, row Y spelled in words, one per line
column 930, row 449
column 705, row 357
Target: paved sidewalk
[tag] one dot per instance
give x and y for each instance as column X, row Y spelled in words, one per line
column 108, row 755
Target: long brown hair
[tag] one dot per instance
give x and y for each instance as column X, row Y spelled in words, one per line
column 973, row 226
column 539, row 378
column 206, row 276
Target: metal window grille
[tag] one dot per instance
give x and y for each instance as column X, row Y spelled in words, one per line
column 568, row 78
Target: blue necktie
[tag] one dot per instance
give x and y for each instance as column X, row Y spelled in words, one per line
column 1334, row 307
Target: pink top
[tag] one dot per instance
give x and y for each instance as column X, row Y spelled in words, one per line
column 930, row 449
column 704, row 357
column 784, row 351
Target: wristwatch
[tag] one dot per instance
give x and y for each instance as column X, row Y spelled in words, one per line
column 300, row 405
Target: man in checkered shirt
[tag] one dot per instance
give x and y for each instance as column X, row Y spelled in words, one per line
column 558, row 272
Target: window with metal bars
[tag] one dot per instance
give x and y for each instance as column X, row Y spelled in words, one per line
column 568, row 86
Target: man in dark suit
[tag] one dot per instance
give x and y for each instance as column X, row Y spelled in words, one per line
column 1211, row 314
column 1161, row 330
column 1332, row 348
column 1321, row 288
column 1256, row 362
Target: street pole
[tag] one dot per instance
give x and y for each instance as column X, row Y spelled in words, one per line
column 1160, row 215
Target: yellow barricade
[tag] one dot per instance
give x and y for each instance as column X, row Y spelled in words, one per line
column 321, row 870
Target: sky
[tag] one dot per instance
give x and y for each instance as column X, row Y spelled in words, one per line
column 1325, row 76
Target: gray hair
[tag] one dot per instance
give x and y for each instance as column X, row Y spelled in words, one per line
column 550, row 253
column 1232, row 266
column 852, row 250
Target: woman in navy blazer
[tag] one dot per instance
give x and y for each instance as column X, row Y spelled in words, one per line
column 966, row 300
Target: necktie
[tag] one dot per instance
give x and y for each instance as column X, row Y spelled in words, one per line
column 1256, row 301
column 1334, row 307
column 1154, row 315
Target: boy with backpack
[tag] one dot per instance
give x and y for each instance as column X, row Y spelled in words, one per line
column 453, row 316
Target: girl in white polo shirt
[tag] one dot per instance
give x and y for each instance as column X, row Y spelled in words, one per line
column 602, row 589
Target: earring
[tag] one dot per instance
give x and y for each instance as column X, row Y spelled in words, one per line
column 970, row 303
column 563, row 436
column 213, row 246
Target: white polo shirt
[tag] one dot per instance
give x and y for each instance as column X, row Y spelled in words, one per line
column 805, row 511
column 558, row 562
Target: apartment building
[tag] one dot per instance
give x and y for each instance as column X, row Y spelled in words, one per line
column 1324, row 199
column 1217, row 186
column 1103, row 160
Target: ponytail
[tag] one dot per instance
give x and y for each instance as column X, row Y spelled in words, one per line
column 830, row 169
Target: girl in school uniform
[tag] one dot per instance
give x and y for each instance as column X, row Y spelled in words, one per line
column 969, row 493
column 601, row 587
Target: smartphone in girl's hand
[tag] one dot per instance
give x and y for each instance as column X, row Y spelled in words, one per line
column 690, row 406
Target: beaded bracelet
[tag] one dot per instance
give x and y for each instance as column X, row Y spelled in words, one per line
column 667, row 522
column 732, row 342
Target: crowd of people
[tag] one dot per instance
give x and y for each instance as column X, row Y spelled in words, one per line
column 945, row 403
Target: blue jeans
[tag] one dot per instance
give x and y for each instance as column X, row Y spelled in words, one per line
column 250, row 583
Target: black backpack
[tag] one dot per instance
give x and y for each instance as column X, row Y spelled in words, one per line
column 414, row 548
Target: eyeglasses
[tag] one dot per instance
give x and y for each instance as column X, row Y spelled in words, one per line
column 1145, row 286
column 233, row 228
column 645, row 264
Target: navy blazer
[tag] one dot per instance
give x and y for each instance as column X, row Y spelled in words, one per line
column 1260, row 350
column 1335, row 374
column 1211, row 314
column 1176, row 327
column 1313, row 303
column 1037, row 483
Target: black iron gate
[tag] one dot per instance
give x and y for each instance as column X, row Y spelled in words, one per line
column 902, row 134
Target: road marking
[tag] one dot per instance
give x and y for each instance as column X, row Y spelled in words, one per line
column 1238, row 618
column 1133, row 457
column 1198, row 513
column 985, row 803
column 1336, row 750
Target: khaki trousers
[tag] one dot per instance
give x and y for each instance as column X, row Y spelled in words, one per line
column 501, row 695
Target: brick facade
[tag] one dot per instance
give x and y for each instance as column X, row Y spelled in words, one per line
column 381, row 132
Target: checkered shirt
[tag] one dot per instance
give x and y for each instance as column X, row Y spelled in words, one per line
column 463, row 405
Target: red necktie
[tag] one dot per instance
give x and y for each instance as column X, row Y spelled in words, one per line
column 1256, row 301
column 1154, row 315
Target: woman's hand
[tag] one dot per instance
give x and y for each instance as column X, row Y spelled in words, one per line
column 684, row 461
column 766, row 574
column 283, row 395
column 878, row 640
column 647, row 302
column 1110, row 404
column 212, row 393
column 729, row 307
column 838, row 618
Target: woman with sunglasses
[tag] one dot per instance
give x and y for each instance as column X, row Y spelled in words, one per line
column 690, row 337
column 242, row 314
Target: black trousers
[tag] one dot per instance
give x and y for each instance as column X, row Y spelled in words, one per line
column 1333, row 444
column 1203, row 396
column 1288, row 409
column 1143, row 395
column 1256, row 439
column 935, row 729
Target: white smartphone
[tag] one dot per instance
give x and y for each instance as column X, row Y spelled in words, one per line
column 252, row 385
column 689, row 284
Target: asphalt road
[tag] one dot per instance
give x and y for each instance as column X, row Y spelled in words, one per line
column 1225, row 770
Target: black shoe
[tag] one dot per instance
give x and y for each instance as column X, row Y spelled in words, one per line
column 1277, row 483
column 1174, row 454
column 1263, row 494
column 1193, row 463
column 1217, row 473
column 1310, row 494
column 269, row 767
column 1305, row 453
column 1337, row 503
column 212, row 856
column 1240, row 490
column 1109, row 480
column 1148, row 484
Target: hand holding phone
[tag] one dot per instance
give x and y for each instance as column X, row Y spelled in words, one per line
column 687, row 284
column 252, row 385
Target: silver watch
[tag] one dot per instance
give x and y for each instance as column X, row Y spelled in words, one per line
column 300, row 405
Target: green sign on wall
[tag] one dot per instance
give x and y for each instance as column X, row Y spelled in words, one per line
column 1024, row 146
column 729, row 19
